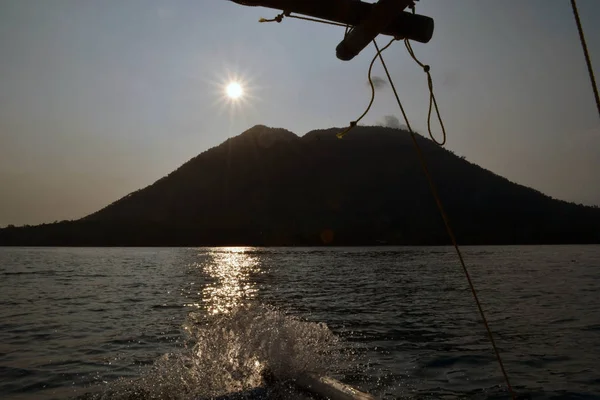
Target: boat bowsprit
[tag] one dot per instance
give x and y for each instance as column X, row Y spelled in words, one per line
column 307, row 386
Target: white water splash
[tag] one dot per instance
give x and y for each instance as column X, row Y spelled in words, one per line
column 231, row 353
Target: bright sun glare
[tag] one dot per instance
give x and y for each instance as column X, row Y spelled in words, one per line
column 235, row 94
column 234, row 90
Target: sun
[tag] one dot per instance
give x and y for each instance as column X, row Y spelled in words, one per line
column 234, row 90
column 235, row 93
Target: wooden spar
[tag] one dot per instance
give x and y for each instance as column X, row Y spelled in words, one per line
column 382, row 14
column 353, row 12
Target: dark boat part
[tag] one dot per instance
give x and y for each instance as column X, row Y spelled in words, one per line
column 367, row 18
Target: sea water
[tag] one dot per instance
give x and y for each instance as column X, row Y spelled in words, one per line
column 398, row 322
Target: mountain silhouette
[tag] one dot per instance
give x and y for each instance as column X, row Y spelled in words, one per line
column 268, row 186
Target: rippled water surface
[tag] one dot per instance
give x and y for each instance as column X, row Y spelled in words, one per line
column 198, row 323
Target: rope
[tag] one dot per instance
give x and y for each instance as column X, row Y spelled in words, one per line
column 432, row 100
column 353, row 123
column 322, row 21
column 280, row 17
column 432, row 103
column 586, row 54
column 447, row 224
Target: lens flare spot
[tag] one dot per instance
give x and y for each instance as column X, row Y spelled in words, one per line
column 327, row 236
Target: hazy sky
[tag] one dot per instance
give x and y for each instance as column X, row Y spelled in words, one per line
column 100, row 98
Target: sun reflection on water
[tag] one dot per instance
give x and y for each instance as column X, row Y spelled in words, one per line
column 230, row 285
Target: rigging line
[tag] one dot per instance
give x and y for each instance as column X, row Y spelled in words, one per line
column 432, row 100
column 447, row 224
column 279, row 17
column 353, row 123
column 322, row 21
column 586, row 54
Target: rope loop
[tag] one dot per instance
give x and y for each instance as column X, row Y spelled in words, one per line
column 354, row 123
column 432, row 101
